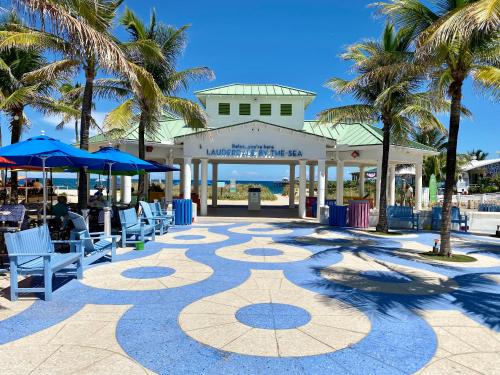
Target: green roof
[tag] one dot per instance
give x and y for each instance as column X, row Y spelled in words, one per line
column 169, row 128
column 357, row 135
column 344, row 134
column 255, row 90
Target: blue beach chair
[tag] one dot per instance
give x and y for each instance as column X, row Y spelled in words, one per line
column 96, row 245
column 134, row 226
column 31, row 252
column 456, row 218
column 160, row 222
column 397, row 214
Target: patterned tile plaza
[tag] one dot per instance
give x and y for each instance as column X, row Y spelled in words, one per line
column 258, row 298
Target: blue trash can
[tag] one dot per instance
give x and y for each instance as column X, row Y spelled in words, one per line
column 330, row 202
column 183, row 211
column 338, row 216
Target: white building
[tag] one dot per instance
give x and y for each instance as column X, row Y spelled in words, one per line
column 264, row 124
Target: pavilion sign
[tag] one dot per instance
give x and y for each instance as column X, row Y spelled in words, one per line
column 253, row 151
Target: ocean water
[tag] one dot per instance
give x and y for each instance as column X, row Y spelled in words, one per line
column 71, row 183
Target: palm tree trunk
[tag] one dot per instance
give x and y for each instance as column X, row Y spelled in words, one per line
column 382, row 225
column 84, row 134
column 77, row 137
column 141, row 193
column 451, row 164
column 16, row 124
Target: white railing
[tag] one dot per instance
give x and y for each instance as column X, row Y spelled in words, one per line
column 473, row 201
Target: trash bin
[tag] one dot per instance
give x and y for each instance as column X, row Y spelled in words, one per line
column 338, row 216
column 324, row 215
column 253, row 199
column 183, row 211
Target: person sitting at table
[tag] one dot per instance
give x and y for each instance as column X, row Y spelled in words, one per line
column 37, row 185
column 97, row 200
column 60, row 209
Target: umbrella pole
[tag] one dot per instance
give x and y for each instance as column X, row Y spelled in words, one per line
column 109, row 182
column 44, row 191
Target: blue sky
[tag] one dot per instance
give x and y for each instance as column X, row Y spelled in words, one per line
column 290, row 42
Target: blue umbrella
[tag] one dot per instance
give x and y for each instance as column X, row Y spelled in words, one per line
column 158, row 167
column 46, row 152
column 114, row 160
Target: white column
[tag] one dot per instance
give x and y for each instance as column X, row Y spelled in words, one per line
column 302, row 189
column 311, row 180
column 215, row 167
column 181, row 178
column 321, row 186
column 340, row 182
column 377, row 184
column 291, row 186
column 126, row 189
column 418, row 186
column 326, row 181
column 392, row 184
column 107, row 220
column 204, row 187
column 169, row 182
column 196, row 177
column 361, row 181
column 187, row 178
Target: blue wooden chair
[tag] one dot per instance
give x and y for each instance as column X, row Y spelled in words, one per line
column 134, row 226
column 96, row 245
column 159, row 211
column 160, row 222
column 31, row 252
column 397, row 214
column 456, row 218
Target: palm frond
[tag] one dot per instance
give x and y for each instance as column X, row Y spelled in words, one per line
column 122, row 117
column 56, row 71
column 487, row 81
column 191, row 112
column 349, row 114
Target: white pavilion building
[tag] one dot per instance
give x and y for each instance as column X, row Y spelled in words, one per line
column 264, row 124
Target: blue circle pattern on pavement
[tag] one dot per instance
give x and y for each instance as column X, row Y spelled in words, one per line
column 273, row 316
column 263, row 252
column 148, row 272
column 386, row 276
column 400, row 341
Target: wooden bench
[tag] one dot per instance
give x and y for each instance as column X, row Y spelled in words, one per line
column 134, row 226
column 31, row 252
column 402, row 213
column 96, row 245
column 160, row 222
column 456, row 218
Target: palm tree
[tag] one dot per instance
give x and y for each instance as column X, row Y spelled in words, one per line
column 81, row 31
column 139, row 107
column 478, row 154
column 26, row 80
column 459, row 39
column 72, row 96
column 433, row 165
column 386, row 85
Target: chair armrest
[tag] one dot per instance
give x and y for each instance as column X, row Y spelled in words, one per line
column 30, row 255
column 96, row 233
column 68, row 241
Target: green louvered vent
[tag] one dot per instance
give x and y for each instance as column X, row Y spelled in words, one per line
column 224, row 109
column 286, row 110
column 265, row 109
column 244, row 109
